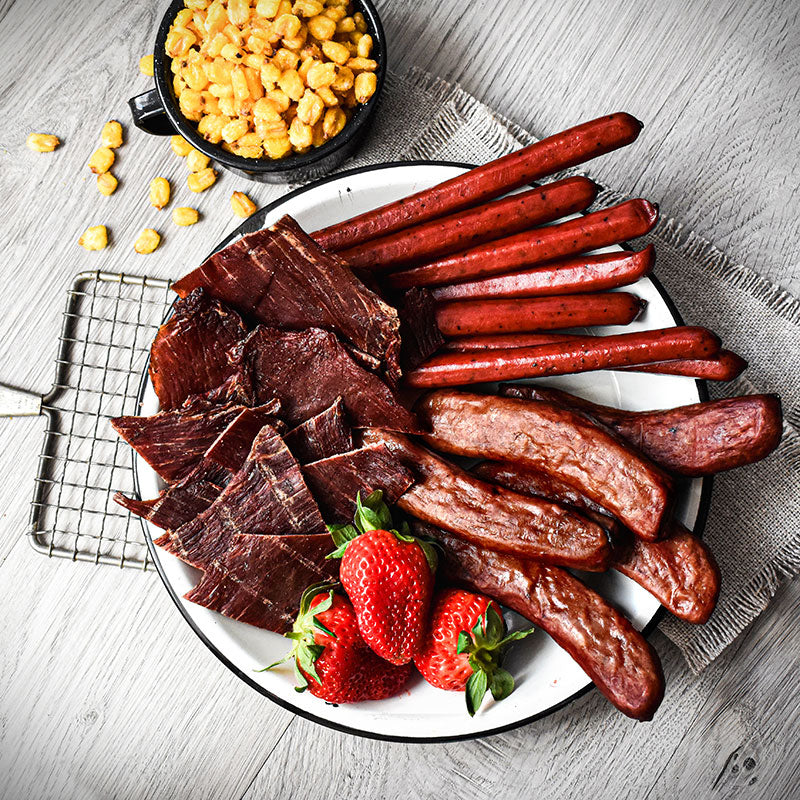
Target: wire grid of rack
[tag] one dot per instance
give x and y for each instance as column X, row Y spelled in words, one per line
column 108, row 324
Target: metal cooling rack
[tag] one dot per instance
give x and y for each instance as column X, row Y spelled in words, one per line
column 108, row 325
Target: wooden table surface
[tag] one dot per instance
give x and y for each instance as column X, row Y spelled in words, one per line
column 104, row 691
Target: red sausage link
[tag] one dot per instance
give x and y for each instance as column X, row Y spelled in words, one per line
column 464, row 229
column 583, row 354
column 694, row 440
column 471, row 317
column 679, row 570
column 591, row 273
column 599, row 229
column 725, row 366
column 620, row 661
column 491, row 516
column 557, row 441
column 553, row 154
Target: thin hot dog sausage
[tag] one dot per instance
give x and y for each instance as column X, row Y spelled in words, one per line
column 679, row 570
column 599, row 229
column 694, row 440
column 592, row 273
column 620, row 661
column 556, row 441
column 724, row 366
column 491, row 516
column 471, row 317
column 546, row 157
column 564, row 358
column 464, row 229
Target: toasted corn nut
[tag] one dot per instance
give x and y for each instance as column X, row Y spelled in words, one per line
column 364, row 46
column 307, row 8
column 250, row 151
column 200, row 181
column 242, row 205
column 106, row 183
column 267, row 8
column 322, row 27
column 216, row 18
column 333, row 122
column 343, row 80
column 360, row 22
column 345, row 25
column 365, row 85
column 179, row 40
column 277, row 146
column 185, row 216
column 300, row 134
column 94, row 238
column 287, row 26
column 147, row 241
column 336, row 52
column 234, row 130
column 335, row 13
column 230, row 52
column 321, row 74
column 227, row 107
column 210, row 127
column 42, row 142
column 291, row 84
column 328, row 97
column 180, row 146
column 362, row 64
column 270, row 73
column 285, row 59
column 159, row 192
column 101, row 160
column 281, row 100
column 111, row 135
column 146, row 65
column 197, row 160
column 238, row 12
column 310, row 107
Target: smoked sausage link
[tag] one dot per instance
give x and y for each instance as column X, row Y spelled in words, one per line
column 546, row 157
column 556, row 441
column 464, row 229
column 620, row 661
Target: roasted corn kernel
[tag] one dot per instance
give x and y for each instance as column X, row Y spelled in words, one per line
column 322, row 27
column 336, row 52
column 185, row 216
column 310, row 107
column 111, row 135
column 364, row 46
column 365, row 85
column 106, row 183
column 197, row 160
column 94, row 238
column 146, row 65
column 42, row 142
column 147, row 241
column 180, row 146
column 102, row 159
column 242, row 205
column 200, row 181
column 333, row 122
column 159, row 192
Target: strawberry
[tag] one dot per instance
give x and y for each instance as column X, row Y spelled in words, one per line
column 464, row 646
column 331, row 659
column 388, row 576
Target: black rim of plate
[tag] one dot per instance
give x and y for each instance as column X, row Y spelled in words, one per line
column 255, row 223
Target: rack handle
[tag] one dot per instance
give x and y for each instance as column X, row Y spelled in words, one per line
column 19, row 403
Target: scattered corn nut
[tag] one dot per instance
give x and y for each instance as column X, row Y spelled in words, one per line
column 111, row 135
column 184, row 216
column 159, row 192
column 146, row 65
column 196, row 160
column 242, row 205
column 94, row 238
column 180, row 146
column 102, row 159
column 147, row 241
column 106, row 183
column 200, row 181
column 42, row 142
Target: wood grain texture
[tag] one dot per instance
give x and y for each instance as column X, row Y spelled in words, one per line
column 103, row 689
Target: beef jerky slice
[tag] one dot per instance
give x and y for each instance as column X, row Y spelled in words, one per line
column 336, row 481
column 184, row 500
column 280, row 277
column 307, row 370
column 267, row 496
column 261, row 578
column 420, row 334
column 188, row 355
column 323, row 435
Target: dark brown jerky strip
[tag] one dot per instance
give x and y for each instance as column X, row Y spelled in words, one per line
column 419, row 333
column 620, row 661
column 336, row 481
column 307, row 370
column 188, row 354
column 323, row 435
column 184, row 500
column 261, row 578
column 280, row 277
column 266, row 496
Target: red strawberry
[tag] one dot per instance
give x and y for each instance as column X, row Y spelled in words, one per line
column 331, row 659
column 388, row 576
column 464, row 645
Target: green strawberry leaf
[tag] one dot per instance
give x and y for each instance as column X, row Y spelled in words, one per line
column 477, row 684
column 515, row 636
column 318, row 624
column 502, row 684
column 366, row 518
column 494, row 625
column 464, row 642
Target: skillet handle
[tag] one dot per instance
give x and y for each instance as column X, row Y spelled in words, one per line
column 149, row 115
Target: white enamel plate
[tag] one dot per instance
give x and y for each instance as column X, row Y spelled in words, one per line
column 547, row 678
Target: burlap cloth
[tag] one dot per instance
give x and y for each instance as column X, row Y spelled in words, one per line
column 753, row 525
